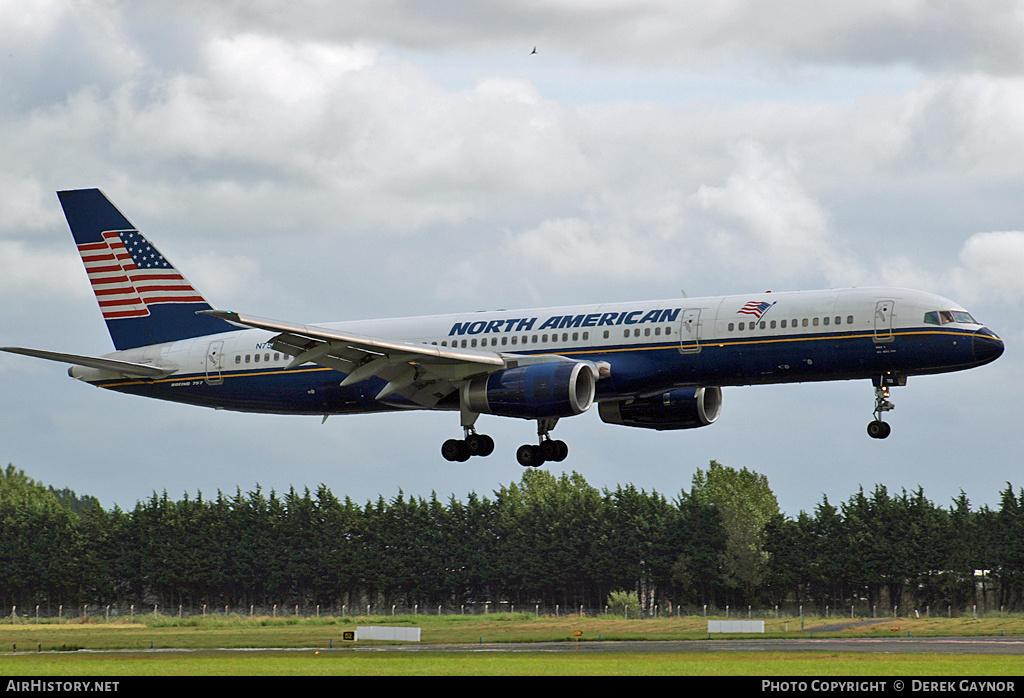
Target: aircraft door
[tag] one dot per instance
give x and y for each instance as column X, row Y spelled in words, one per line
column 884, row 314
column 689, row 331
column 213, row 362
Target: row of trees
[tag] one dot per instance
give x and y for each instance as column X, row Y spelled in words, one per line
column 546, row 539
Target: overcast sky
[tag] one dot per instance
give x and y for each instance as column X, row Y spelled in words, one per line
column 320, row 161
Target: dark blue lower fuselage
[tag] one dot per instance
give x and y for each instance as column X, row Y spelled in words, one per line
column 636, row 370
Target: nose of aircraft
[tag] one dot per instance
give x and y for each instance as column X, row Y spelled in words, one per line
column 987, row 346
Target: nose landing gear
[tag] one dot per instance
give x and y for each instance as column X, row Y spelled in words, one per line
column 878, row 429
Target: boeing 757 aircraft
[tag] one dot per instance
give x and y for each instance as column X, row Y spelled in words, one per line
column 652, row 364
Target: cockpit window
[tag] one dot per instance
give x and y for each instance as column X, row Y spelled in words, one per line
column 941, row 317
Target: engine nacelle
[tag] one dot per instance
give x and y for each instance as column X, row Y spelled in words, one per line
column 686, row 408
column 535, row 391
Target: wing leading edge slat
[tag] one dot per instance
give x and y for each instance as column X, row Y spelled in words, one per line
column 425, row 352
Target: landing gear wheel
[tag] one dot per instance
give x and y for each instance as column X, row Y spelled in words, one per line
column 455, row 450
column 480, row 444
column 879, row 429
column 554, row 450
column 530, row 456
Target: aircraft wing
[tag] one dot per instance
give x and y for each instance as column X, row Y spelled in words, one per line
column 423, row 373
column 126, row 368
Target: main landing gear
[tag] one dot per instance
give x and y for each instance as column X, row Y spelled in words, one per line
column 548, row 449
column 473, row 445
column 878, row 429
column 528, row 455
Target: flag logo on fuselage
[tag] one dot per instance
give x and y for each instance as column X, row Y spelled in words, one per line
column 755, row 308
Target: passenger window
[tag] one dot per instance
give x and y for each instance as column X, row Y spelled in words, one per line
column 606, row 334
column 625, row 333
column 647, row 332
column 783, row 324
column 586, row 336
column 246, row 358
column 804, row 322
column 514, row 339
column 773, row 324
column 849, row 319
column 763, row 324
column 839, row 320
column 824, row 321
column 731, row 326
column 743, row 326
column 576, row 335
column 814, row 322
column 238, row 358
column 463, row 344
column 657, row 331
column 504, row 341
column 256, row 358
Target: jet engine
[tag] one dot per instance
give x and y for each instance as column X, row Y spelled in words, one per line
column 535, row 391
column 685, row 408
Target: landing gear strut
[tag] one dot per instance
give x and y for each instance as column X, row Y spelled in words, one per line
column 878, row 429
column 460, row 450
column 547, row 449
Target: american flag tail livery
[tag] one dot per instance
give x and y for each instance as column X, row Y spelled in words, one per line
column 143, row 298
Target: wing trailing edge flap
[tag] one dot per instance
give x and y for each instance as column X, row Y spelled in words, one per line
column 421, row 373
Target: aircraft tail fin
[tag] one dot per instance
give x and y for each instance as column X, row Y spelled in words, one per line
column 143, row 298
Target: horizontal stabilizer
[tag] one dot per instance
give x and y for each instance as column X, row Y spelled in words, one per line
column 114, row 365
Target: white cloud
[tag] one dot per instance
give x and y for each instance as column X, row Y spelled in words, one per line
column 763, row 219
column 27, row 271
column 664, row 33
column 961, row 124
column 574, row 249
column 25, row 23
column 988, row 272
column 992, row 267
column 25, row 205
column 221, row 278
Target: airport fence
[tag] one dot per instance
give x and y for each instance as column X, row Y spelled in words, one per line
column 132, row 612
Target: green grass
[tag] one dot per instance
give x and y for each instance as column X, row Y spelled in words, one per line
column 213, row 633
column 348, row 663
column 243, row 632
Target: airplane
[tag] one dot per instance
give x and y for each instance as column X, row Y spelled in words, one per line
column 655, row 364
